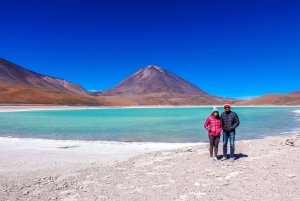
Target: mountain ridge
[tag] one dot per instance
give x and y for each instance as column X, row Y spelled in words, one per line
column 10, row 72
column 292, row 98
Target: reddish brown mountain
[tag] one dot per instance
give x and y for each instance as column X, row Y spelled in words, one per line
column 274, row 99
column 10, row 72
column 153, row 79
column 155, row 86
column 12, row 93
column 21, row 86
column 295, row 92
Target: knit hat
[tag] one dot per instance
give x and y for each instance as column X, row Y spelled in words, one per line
column 227, row 105
column 215, row 109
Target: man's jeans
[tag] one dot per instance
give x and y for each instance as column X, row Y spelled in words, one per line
column 231, row 137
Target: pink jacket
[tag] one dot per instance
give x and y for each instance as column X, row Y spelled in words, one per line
column 213, row 125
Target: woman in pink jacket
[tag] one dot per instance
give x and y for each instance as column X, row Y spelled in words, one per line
column 214, row 126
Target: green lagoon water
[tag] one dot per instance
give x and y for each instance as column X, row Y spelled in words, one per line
column 143, row 124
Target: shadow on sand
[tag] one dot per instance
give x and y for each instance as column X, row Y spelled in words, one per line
column 236, row 156
column 240, row 155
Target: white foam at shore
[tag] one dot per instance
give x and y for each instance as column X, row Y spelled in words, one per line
column 297, row 111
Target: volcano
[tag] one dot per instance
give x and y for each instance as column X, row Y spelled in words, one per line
column 153, row 85
column 153, row 79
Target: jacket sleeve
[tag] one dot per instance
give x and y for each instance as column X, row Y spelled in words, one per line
column 220, row 128
column 236, row 122
column 207, row 122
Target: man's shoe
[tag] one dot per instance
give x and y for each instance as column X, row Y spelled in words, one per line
column 223, row 159
column 231, row 159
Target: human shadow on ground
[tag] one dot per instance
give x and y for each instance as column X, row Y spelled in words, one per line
column 236, row 156
column 240, row 155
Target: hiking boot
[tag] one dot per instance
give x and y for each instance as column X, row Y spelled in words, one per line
column 223, row 159
column 231, row 159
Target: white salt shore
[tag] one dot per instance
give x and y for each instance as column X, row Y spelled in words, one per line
column 30, row 151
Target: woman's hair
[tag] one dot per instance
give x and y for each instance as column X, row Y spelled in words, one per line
column 217, row 117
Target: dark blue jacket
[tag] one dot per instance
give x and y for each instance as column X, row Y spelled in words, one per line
column 230, row 121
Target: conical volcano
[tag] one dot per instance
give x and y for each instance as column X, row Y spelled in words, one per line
column 153, row 79
column 155, row 86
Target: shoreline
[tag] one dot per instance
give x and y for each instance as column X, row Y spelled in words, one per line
column 20, row 108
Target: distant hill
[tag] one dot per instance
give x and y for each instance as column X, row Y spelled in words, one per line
column 274, row 99
column 295, row 92
column 10, row 72
column 12, row 93
column 21, row 86
column 155, row 86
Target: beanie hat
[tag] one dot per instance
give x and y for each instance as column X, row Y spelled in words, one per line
column 227, row 105
column 215, row 109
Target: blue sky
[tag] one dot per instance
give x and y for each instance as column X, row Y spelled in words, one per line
column 229, row 48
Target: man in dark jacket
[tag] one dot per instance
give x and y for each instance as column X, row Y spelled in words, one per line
column 230, row 121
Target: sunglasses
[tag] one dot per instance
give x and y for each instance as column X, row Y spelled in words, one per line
column 215, row 112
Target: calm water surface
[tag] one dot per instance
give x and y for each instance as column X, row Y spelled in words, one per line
column 143, row 124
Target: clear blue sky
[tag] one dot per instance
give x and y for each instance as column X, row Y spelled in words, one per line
column 229, row 48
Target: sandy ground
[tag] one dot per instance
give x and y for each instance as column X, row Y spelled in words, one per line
column 265, row 169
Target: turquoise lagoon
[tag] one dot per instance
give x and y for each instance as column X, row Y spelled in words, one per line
column 183, row 124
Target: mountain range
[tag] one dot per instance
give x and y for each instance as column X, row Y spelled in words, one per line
column 151, row 85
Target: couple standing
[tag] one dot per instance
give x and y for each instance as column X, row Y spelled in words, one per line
column 215, row 124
